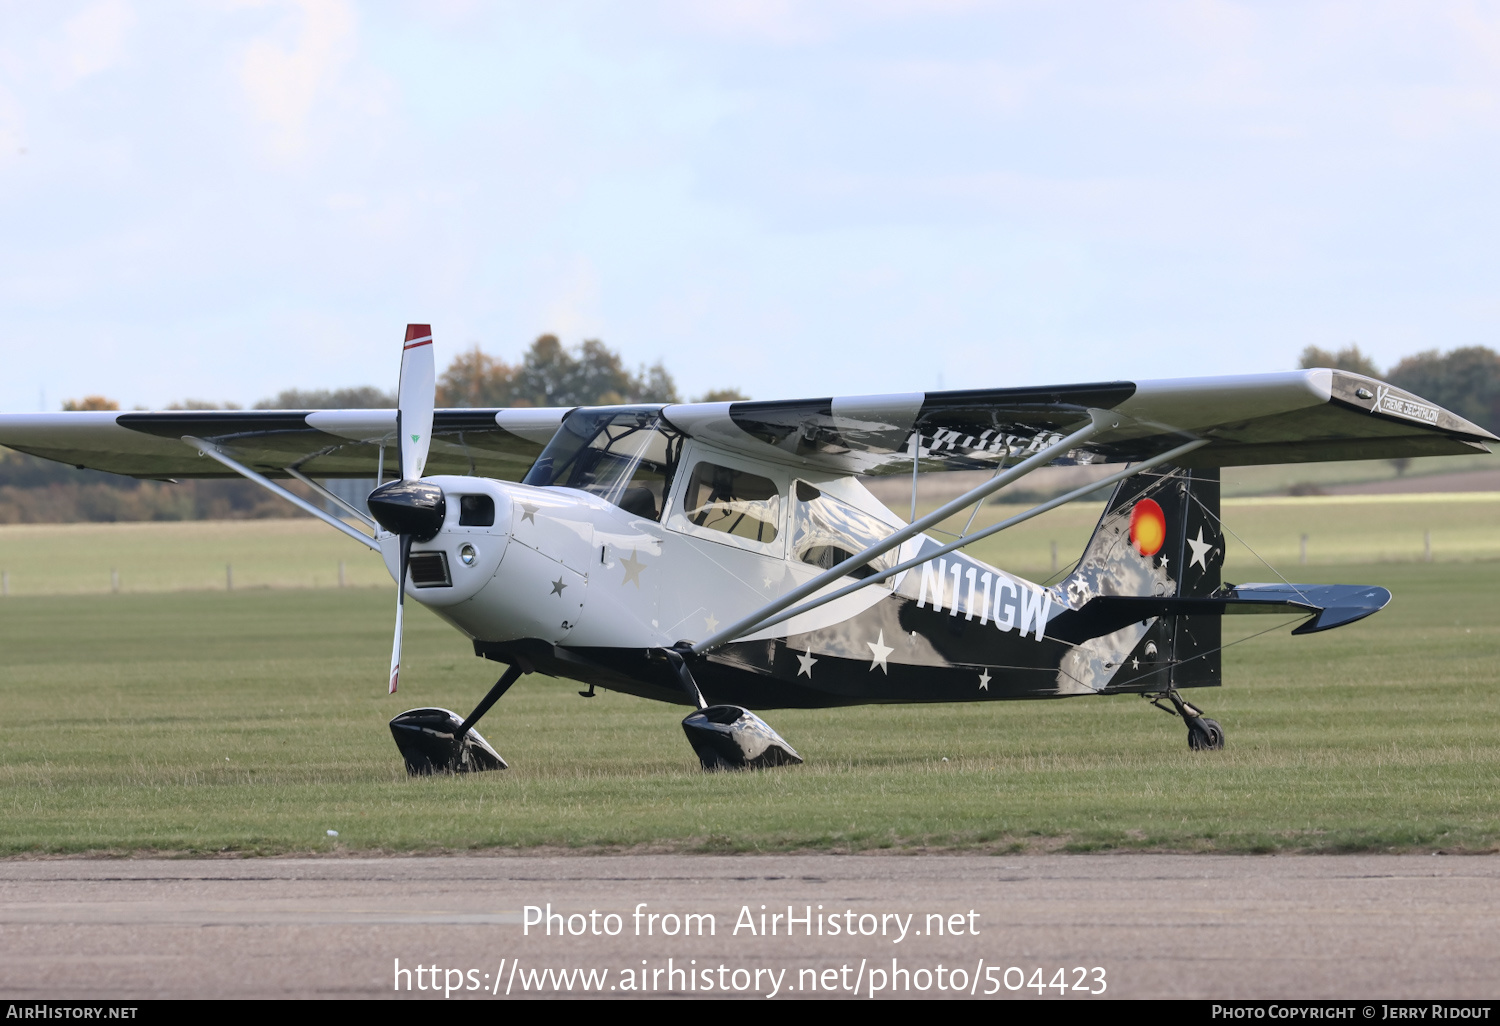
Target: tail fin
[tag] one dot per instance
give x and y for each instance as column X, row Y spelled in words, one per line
column 1160, row 537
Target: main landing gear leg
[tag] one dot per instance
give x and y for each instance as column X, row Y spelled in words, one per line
column 1203, row 733
column 437, row 741
column 727, row 736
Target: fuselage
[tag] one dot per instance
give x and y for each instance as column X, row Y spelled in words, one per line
column 582, row 588
column 627, row 538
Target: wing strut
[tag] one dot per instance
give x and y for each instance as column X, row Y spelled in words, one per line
column 354, row 512
column 916, row 451
column 1100, row 420
column 1131, row 471
column 239, row 468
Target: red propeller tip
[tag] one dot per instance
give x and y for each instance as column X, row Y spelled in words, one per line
column 416, row 331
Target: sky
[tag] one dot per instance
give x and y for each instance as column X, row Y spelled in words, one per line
column 220, row 200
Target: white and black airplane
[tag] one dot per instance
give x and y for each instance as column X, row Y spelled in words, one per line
column 726, row 555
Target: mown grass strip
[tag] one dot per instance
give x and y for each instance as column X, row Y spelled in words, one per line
column 254, row 722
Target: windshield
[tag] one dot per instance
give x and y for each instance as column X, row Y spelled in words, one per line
column 626, row 456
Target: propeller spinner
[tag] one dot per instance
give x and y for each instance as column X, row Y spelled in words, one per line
column 409, row 508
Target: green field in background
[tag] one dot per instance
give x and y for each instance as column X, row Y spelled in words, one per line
column 255, row 721
column 76, row 559
column 1340, row 529
column 1278, row 477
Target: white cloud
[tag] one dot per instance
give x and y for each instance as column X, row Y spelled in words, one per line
column 283, row 81
column 93, row 41
column 571, row 307
column 844, row 189
column 799, row 22
column 12, row 127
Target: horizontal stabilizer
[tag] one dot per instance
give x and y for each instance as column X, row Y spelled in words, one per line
column 1330, row 605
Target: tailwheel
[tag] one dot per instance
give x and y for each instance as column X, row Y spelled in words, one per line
column 1204, row 734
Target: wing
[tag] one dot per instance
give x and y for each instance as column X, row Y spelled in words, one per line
column 1301, row 416
column 1295, row 417
column 323, row 443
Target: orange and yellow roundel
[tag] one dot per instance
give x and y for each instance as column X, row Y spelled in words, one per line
column 1148, row 527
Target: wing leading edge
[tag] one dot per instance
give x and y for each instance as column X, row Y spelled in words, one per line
column 1301, row 416
column 1294, row 417
column 501, row 444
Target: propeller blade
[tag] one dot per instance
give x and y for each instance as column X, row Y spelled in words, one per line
column 415, row 396
column 404, row 560
column 414, row 400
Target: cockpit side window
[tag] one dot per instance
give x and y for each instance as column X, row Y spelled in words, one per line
column 736, row 502
column 825, row 532
column 626, row 456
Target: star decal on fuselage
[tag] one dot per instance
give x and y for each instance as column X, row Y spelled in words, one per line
column 1200, row 549
column 558, row 586
column 633, row 568
column 711, row 622
column 984, row 680
column 528, row 512
column 878, row 651
column 805, row 663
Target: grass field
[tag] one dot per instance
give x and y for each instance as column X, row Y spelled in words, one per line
column 1340, row 529
column 1278, row 477
column 77, row 559
column 253, row 721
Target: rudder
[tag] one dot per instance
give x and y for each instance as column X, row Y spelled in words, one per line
column 1159, row 535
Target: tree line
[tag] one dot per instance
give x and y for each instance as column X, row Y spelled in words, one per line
column 34, row 490
column 548, row 374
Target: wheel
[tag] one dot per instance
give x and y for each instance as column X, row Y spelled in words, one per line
column 1204, row 734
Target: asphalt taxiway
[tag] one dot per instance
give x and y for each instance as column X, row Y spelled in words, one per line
column 1395, row 926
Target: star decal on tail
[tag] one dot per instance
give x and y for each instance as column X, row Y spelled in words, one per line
column 1200, row 549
